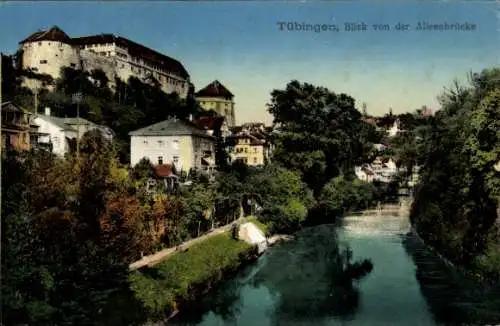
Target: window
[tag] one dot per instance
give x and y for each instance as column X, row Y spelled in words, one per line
column 145, row 142
column 160, row 143
column 40, row 43
column 72, row 65
column 255, row 150
column 56, row 141
column 43, row 61
column 176, row 159
column 246, row 149
column 160, row 160
column 255, row 160
column 175, row 144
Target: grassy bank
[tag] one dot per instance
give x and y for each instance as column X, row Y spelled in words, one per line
column 186, row 275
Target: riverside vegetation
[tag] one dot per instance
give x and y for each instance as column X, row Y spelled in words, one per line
column 71, row 227
column 456, row 206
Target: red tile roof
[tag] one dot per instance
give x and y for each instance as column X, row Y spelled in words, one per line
column 215, row 89
column 163, row 170
column 136, row 50
column 427, row 113
column 54, row 34
column 209, row 122
column 253, row 140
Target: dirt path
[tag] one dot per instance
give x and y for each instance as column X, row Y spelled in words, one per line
column 161, row 255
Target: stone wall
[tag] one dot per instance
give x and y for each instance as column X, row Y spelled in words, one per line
column 91, row 61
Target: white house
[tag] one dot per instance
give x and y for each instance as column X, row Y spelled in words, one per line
column 58, row 131
column 364, row 173
column 394, row 130
column 173, row 141
column 377, row 171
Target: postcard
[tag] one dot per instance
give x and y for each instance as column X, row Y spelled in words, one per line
column 250, row 163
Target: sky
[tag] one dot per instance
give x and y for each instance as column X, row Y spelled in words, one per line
column 241, row 44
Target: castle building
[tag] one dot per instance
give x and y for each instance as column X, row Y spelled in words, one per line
column 218, row 98
column 46, row 52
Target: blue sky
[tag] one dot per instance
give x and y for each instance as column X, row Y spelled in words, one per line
column 239, row 44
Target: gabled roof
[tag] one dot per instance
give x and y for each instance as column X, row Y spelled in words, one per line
column 171, row 127
column 67, row 124
column 53, row 34
column 136, row 50
column 215, row 89
column 59, row 122
column 78, row 122
column 243, row 135
column 11, row 107
column 209, row 122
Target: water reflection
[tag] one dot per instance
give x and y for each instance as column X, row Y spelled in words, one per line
column 454, row 299
column 225, row 303
column 307, row 279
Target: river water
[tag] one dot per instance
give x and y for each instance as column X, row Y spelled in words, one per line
column 294, row 283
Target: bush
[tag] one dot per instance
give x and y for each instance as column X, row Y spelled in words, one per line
column 340, row 196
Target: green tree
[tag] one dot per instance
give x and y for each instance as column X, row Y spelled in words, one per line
column 322, row 133
column 456, row 201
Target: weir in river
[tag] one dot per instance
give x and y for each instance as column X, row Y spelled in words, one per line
column 294, row 283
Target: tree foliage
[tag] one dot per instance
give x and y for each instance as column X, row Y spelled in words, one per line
column 456, row 204
column 321, row 133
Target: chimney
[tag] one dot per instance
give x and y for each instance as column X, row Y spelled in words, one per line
column 47, row 111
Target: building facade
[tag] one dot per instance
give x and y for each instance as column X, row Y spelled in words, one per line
column 248, row 149
column 19, row 131
column 175, row 142
column 218, row 98
column 61, row 133
column 46, row 52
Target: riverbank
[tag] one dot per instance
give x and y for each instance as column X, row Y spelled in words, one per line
column 476, row 274
column 172, row 284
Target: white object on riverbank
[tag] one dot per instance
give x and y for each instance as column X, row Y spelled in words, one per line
column 251, row 234
column 278, row 238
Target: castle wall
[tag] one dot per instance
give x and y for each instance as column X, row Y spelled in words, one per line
column 48, row 57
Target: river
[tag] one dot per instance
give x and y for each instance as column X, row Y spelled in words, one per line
column 293, row 283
